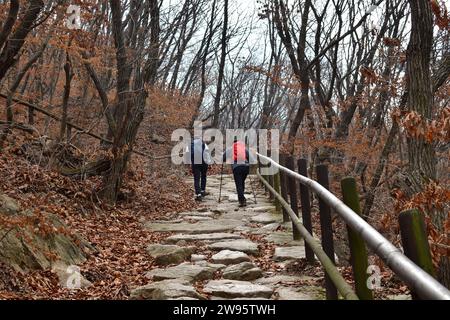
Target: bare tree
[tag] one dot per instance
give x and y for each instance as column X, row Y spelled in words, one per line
column 422, row 162
column 10, row 44
column 223, row 54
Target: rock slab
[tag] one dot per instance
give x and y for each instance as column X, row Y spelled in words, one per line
column 210, row 226
column 264, row 218
column 289, row 253
column 169, row 254
column 166, row 290
column 245, row 271
column 230, row 257
column 186, row 271
column 236, row 289
column 236, row 245
column 202, row 237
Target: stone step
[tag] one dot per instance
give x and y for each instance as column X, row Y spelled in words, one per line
column 266, row 218
column 198, row 218
column 289, row 253
column 236, row 289
column 194, row 228
column 202, row 237
column 198, row 214
column 222, row 227
column 230, row 257
column 166, row 290
column 303, row 293
column 185, row 271
column 242, row 245
column 169, row 254
column 283, row 238
column 245, row 271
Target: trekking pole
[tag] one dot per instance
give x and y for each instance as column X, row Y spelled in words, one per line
column 220, row 187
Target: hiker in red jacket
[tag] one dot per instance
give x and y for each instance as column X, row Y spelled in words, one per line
column 239, row 157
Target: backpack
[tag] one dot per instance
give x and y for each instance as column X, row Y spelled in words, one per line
column 197, row 147
column 239, row 152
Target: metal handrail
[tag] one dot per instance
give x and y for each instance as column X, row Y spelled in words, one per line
column 420, row 281
column 341, row 285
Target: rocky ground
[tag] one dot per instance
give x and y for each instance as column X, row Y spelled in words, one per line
column 220, row 251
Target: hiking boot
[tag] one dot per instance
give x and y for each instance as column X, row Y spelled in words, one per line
column 204, row 193
column 198, row 197
column 243, row 203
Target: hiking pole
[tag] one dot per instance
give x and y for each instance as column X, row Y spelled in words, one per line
column 220, row 187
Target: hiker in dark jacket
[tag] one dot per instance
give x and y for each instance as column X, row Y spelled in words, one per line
column 239, row 157
column 198, row 155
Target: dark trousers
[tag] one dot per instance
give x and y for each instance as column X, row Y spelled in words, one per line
column 240, row 173
column 199, row 171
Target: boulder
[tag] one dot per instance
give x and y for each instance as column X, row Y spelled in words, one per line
column 70, row 277
column 169, row 254
column 166, row 290
column 243, row 271
column 230, row 257
column 8, row 206
column 24, row 249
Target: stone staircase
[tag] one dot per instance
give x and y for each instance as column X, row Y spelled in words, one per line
column 220, row 251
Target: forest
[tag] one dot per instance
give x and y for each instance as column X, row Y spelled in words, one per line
column 91, row 92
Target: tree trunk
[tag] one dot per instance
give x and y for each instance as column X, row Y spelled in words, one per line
column 209, row 34
column 131, row 104
column 221, row 66
column 69, row 76
column 15, row 42
column 422, row 162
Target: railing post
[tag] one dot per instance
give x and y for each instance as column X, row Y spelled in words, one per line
column 358, row 249
column 293, row 194
column 277, row 187
column 306, row 207
column 265, row 178
column 326, row 229
column 271, row 182
column 415, row 241
column 284, row 190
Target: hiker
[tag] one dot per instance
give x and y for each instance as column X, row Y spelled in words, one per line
column 240, row 156
column 198, row 155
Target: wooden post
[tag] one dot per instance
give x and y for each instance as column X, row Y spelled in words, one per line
column 358, row 249
column 326, row 229
column 265, row 178
column 415, row 241
column 292, row 186
column 277, row 187
column 284, row 190
column 306, row 208
column 271, row 182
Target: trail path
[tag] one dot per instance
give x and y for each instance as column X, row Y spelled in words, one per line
column 220, row 251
